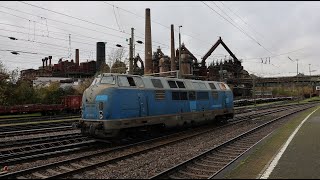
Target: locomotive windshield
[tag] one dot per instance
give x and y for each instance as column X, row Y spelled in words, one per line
column 96, row 80
column 108, row 80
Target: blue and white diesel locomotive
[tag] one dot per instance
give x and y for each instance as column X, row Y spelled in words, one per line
column 115, row 103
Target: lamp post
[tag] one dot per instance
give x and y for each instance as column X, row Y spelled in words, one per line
column 179, row 75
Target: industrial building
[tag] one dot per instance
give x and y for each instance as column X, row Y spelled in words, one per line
column 181, row 63
column 67, row 68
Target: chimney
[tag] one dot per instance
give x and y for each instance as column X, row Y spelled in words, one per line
column 42, row 63
column 101, row 55
column 173, row 63
column 50, row 57
column 46, row 59
column 77, row 57
column 148, row 44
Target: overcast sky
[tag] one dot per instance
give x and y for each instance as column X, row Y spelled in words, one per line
column 251, row 30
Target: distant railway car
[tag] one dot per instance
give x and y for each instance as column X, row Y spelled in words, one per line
column 72, row 103
column 117, row 103
column 3, row 109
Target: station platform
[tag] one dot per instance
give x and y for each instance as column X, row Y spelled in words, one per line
column 299, row 158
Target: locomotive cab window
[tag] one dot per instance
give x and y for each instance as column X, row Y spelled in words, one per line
column 202, row 96
column 96, row 80
column 131, row 81
column 176, row 95
column 192, row 95
column 157, row 83
column 138, row 81
column 180, row 84
column 123, row 81
column 202, row 85
column 108, row 80
column 212, row 86
column 172, row 84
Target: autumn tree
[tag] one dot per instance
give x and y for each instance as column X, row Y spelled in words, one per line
column 83, row 85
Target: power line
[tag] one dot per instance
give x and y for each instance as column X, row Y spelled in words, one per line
column 77, row 25
column 115, row 16
column 74, row 25
column 237, row 28
column 26, row 52
column 66, row 24
column 167, row 27
column 276, row 55
column 47, row 37
column 83, row 20
column 241, row 19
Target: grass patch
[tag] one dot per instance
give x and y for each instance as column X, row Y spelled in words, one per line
column 252, row 166
column 20, row 115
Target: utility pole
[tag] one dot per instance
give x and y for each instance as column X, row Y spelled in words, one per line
column 179, row 76
column 254, row 89
column 297, row 72
column 310, row 80
column 131, row 51
column 70, row 46
column 221, row 73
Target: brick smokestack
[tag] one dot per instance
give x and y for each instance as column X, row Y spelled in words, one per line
column 148, row 44
column 77, row 57
column 101, row 55
column 173, row 63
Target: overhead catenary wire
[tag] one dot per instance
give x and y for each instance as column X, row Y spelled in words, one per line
column 122, row 37
column 64, row 23
column 253, row 39
column 167, row 27
column 84, row 20
column 241, row 19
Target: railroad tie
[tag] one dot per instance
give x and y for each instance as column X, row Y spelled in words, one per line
column 193, row 175
column 21, row 177
column 87, row 162
column 76, row 165
column 176, row 177
column 39, row 175
column 101, row 169
column 66, row 168
column 201, row 164
column 203, row 170
column 53, row 171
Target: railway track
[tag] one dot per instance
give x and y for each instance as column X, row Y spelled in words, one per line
column 23, row 127
column 40, row 130
column 208, row 164
column 36, row 148
column 85, row 163
column 14, row 120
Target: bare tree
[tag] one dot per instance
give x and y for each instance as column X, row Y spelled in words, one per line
column 3, row 72
column 14, row 75
column 117, row 60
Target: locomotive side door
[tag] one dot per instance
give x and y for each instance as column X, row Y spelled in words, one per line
column 143, row 105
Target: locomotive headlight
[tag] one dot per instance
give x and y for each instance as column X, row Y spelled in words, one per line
column 100, row 114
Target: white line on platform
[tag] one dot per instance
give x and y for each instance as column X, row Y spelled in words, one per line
column 276, row 159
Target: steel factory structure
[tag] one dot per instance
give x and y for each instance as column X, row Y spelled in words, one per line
column 181, row 63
